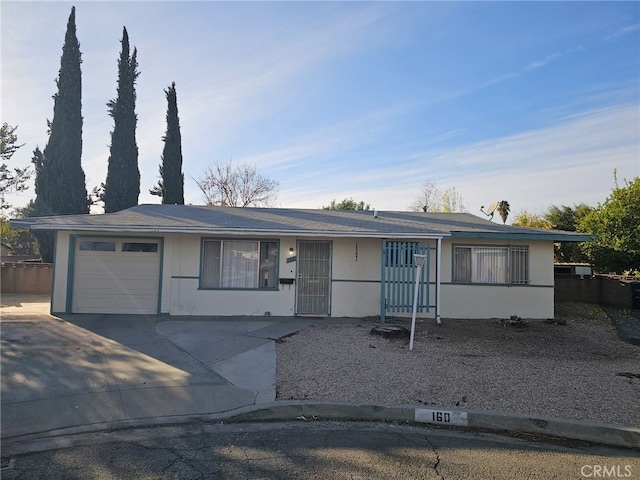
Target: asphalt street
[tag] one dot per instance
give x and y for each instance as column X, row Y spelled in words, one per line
column 314, row 449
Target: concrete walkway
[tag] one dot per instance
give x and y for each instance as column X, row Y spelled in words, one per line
column 79, row 370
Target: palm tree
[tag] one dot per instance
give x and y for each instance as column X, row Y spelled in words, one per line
column 503, row 210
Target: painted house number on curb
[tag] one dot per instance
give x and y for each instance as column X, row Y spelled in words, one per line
column 446, row 417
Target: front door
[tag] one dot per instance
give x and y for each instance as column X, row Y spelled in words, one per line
column 314, row 278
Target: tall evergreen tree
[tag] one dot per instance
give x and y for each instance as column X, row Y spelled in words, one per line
column 171, row 184
column 45, row 239
column 60, row 180
column 122, row 188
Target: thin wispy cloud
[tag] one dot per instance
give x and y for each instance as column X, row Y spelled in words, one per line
column 623, row 31
column 341, row 99
column 588, row 145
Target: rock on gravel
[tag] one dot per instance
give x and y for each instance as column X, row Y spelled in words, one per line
column 580, row 370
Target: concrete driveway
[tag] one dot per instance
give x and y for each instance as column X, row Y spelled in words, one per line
column 79, row 370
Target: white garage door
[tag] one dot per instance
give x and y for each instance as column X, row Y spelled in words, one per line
column 116, row 276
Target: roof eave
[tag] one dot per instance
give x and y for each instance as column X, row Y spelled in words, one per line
column 22, row 223
column 551, row 236
column 237, row 231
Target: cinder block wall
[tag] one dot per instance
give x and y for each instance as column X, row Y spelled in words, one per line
column 601, row 289
column 576, row 289
column 32, row 278
column 615, row 292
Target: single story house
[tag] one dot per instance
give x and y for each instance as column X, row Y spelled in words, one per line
column 224, row 261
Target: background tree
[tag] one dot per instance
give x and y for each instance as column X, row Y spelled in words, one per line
column 451, row 201
column 568, row 219
column 531, row 220
column 60, row 180
column 433, row 199
column 229, row 185
column 171, row 184
column 122, row 187
column 45, row 239
column 615, row 222
column 10, row 181
column 347, row 204
column 503, row 209
column 428, row 200
column 21, row 240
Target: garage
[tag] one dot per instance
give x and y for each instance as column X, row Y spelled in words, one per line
column 114, row 275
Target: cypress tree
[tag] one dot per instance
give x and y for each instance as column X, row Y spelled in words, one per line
column 171, row 184
column 122, row 186
column 45, row 239
column 60, row 180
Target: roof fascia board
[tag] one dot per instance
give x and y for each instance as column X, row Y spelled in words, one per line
column 21, row 223
column 569, row 237
column 244, row 232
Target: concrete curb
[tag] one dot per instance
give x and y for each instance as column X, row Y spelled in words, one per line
column 598, row 433
column 486, row 421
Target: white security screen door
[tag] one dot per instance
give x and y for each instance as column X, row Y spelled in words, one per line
column 314, row 278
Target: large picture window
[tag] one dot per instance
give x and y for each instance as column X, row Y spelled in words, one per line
column 239, row 264
column 491, row 265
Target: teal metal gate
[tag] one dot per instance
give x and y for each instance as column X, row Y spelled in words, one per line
column 398, row 278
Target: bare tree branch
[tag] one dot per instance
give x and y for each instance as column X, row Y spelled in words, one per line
column 226, row 184
column 428, row 200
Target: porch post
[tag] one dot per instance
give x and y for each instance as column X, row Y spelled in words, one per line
column 438, row 271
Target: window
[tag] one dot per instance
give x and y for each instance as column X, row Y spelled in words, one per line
column 238, row 264
column 98, row 246
column 491, row 265
column 140, row 247
column 519, row 265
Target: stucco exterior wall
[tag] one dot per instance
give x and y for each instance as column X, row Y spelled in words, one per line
column 489, row 301
column 60, row 273
column 496, row 301
column 355, row 287
column 355, row 282
column 181, row 294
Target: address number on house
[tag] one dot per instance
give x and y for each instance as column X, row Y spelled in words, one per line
column 443, row 417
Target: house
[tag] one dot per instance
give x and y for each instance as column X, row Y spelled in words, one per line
column 223, row 261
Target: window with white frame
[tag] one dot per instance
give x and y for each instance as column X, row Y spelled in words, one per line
column 491, row 265
column 239, row 264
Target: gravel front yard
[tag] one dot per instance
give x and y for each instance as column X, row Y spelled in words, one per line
column 580, row 370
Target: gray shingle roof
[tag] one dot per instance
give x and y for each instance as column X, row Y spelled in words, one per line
column 281, row 221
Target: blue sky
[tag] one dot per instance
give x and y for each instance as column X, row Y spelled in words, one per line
column 533, row 103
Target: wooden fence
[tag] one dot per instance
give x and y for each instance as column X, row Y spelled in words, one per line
column 26, row 278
